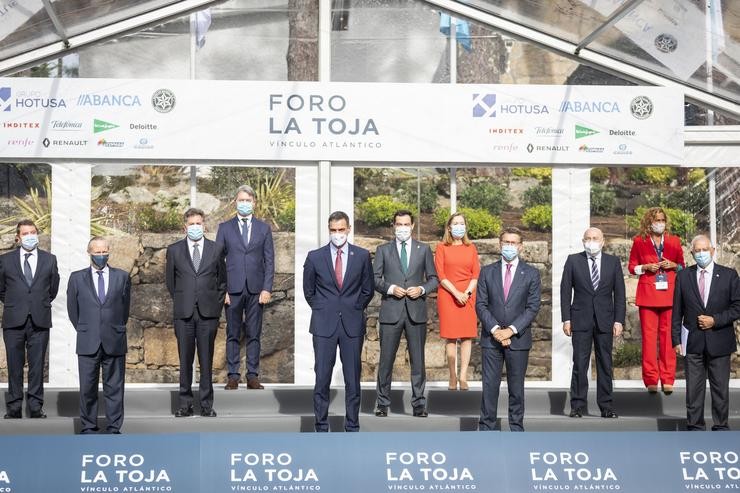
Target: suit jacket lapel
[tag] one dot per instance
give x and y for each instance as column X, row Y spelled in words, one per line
column 91, row 286
column 516, row 280
column 185, row 250
column 330, row 265
column 40, row 265
column 694, row 283
column 586, row 271
column 497, row 281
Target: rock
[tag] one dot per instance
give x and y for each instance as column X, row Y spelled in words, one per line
column 517, row 187
column 535, row 251
column 151, row 302
column 132, row 194
column 124, row 251
column 7, row 241
column 207, row 202
column 619, row 247
column 134, row 356
column 434, row 353
column 152, row 271
column 368, row 243
column 371, row 352
column 630, row 285
column 278, row 367
column 283, row 282
column 159, row 240
column 277, row 327
column 134, row 334
column 153, row 375
column 284, row 244
column 488, row 246
column 160, row 347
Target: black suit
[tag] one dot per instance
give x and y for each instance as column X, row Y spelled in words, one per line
column 198, row 298
column 101, row 341
column 592, row 314
column 26, row 323
column 707, row 350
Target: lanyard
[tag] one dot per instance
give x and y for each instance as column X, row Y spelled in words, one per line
column 659, row 251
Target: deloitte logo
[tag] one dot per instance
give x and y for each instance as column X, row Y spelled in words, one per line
column 582, row 132
column 102, row 126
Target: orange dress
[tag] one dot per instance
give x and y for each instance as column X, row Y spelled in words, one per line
column 458, row 264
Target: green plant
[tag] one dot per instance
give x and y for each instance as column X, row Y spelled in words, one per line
column 682, row 223
column 38, row 210
column 603, row 200
column 544, row 175
column 286, row 216
column 538, row 195
column 273, row 194
column 378, row 211
column 599, row 175
column 692, row 198
column 538, row 217
column 696, row 176
column 480, row 223
column 627, row 354
column 659, row 175
column 154, row 221
column 427, row 199
column 485, row 195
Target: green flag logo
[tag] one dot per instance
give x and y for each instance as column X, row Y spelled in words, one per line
column 102, row 126
column 582, row 132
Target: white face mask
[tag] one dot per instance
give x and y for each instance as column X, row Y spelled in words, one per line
column 338, row 239
column 592, row 247
column 403, row 233
column 658, row 228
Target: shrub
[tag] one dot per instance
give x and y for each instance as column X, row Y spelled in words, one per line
column 544, row 175
column 538, row 195
column 627, row 354
column 154, row 221
column 682, row 223
column 660, row 175
column 285, row 217
column 603, row 200
column 379, row 210
column 599, row 175
column 697, row 176
column 538, row 217
column 693, row 199
column 408, row 191
column 480, row 222
column 485, row 195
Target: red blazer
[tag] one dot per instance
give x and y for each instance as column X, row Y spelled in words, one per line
column 643, row 252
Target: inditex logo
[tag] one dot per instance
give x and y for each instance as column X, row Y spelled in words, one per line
column 5, row 94
column 102, row 126
column 582, row 132
column 484, row 105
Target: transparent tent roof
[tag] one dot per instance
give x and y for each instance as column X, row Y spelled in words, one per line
column 691, row 43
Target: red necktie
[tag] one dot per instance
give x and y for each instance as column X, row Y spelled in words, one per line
column 507, row 281
column 338, row 268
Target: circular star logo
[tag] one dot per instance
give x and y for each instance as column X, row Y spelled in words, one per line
column 666, row 43
column 163, row 100
column 641, row 107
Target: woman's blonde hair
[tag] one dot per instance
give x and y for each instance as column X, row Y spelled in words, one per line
column 447, row 239
column 648, row 218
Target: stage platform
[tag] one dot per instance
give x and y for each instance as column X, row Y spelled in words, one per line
column 290, row 409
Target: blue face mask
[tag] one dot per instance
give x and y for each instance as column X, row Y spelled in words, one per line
column 29, row 242
column 244, row 208
column 457, row 230
column 509, row 252
column 195, row 232
column 100, row 261
column 702, row 258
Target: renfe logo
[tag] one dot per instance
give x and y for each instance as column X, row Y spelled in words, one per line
column 4, row 99
column 484, row 105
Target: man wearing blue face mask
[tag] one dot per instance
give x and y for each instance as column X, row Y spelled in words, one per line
column 98, row 300
column 29, row 281
column 250, row 264
column 706, row 302
column 195, row 274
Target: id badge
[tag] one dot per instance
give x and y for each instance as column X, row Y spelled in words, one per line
column 661, row 282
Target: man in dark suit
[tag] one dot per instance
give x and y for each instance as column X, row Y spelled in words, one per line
column 98, row 299
column 195, row 274
column 404, row 276
column 250, row 268
column 507, row 301
column 706, row 302
column 29, row 281
column 338, row 286
column 593, row 305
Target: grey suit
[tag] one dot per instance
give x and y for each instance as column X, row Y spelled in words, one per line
column 404, row 315
column 518, row 311
column 101, row 341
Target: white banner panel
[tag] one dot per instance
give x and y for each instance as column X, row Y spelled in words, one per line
column 305, row 121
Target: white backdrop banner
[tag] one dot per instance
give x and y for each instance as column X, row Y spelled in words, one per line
column 352, row 122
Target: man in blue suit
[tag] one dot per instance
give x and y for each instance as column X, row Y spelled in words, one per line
column 250, row 269
column 507, row 302
column 29, row 282
column 98, row 299
column 338, row 285
column 593, row 306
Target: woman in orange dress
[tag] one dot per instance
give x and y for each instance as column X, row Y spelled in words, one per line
column 456, row 261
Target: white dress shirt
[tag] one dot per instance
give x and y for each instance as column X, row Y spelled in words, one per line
column 249, row 224
column 94, row 273
column 345, row 252
column 192, row 243
column 709, row 271
column 32, row 259
column 514, row 264
column 408, row 260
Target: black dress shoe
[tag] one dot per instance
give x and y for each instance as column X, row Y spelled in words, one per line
column 576, row 413
column 381, row 411
column 184, row 412
column 420, row 412
column 12, row 415
column 40, row 414
column 208, row 412
column 609, row 414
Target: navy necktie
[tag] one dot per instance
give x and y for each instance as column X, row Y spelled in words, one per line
column 101, row 287
column 245, row 231
column 27, row 269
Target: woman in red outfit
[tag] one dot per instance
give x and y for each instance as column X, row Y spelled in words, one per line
column 456, row 262
column 655, row 257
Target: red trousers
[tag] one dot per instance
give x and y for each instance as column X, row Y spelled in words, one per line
column 658, row 357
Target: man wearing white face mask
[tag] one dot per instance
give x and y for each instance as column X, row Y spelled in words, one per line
column 29, row 282
column 404, row 276
column 195, row 274
column 707, row 302
column 593, row 306
column 338, row 286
